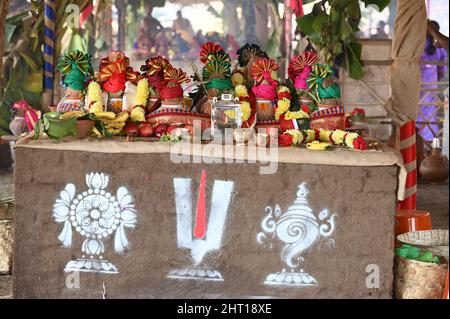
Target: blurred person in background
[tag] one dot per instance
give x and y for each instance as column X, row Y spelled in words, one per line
column 381, row 31
column 439, row 40
column 232, row 46
column 183, row 27
column 150, row 24
column 200, row 38
column 430, row 73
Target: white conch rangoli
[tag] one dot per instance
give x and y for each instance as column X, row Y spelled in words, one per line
column 298, row 229
column 95, row 214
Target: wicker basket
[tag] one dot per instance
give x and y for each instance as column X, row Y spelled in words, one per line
column 419, row 280
column 435, row 240
column 6, row 210
column 5, row 246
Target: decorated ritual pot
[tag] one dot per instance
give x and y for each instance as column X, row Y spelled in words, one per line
column 332, row 118
column 434, row 168
column 265, row 110
column 115, row 102
column 205, row 108
column 68, row 104
column 329, row 103
column 173, row 104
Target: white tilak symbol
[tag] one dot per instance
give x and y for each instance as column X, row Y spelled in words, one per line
column 298, row 229
column 95, row 214
column 204, row 236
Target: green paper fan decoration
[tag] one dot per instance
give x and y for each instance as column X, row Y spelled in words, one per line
column 216, row 70
column 220, row 57
column 318, row 73
column 76, row 60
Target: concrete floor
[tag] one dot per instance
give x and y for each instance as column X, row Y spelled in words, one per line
column 430, row 197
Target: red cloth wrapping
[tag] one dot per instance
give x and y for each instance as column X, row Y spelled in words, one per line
column 171, row 92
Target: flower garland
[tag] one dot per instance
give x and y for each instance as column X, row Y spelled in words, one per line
column 246, row 110
column 337, row 137
column 296, row 115
column 142, row 92
column 284, row 101
column 283, row 106
column 94, row 97
column 241, row 91
column 237, row 78
column 296, row 137
column 138, row 114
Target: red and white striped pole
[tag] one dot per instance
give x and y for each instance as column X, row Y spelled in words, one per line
column 408, row 150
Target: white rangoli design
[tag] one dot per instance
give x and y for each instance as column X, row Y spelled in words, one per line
column 200, row 235
column 95, row 214
column 298, row 229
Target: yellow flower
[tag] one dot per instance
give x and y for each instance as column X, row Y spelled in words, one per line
column 296, row 115
column 297, row 136
column 241, row 90
column 324, row 135
column 338, row 137
column 283, row 88
column 350, row 138
column 246, row 110
column 96, row 107
column 274, row 75
column 311, row 135
column 237, row 79
column 282, row 107
column 94, row 95
column 230, row 114
column 142, row 92
column 138, row 114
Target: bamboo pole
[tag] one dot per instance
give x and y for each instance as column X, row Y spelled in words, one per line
column 3, row 13
column 49, row 51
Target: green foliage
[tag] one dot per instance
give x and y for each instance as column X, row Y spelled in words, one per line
column 332, row 25
column 23, row 64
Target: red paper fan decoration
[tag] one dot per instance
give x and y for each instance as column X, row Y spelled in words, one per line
column 262, row 66
column 299, row 62
column 207, row 49
column 176, row 74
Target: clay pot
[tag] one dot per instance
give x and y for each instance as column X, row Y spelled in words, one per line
column 434, row 168
column 83, row 128
column 420, row 151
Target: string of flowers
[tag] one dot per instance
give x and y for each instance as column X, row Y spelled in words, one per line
column 94, row 97
column 338, row 137
column 242, row 93
column 142, row 92
column 284, row 104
